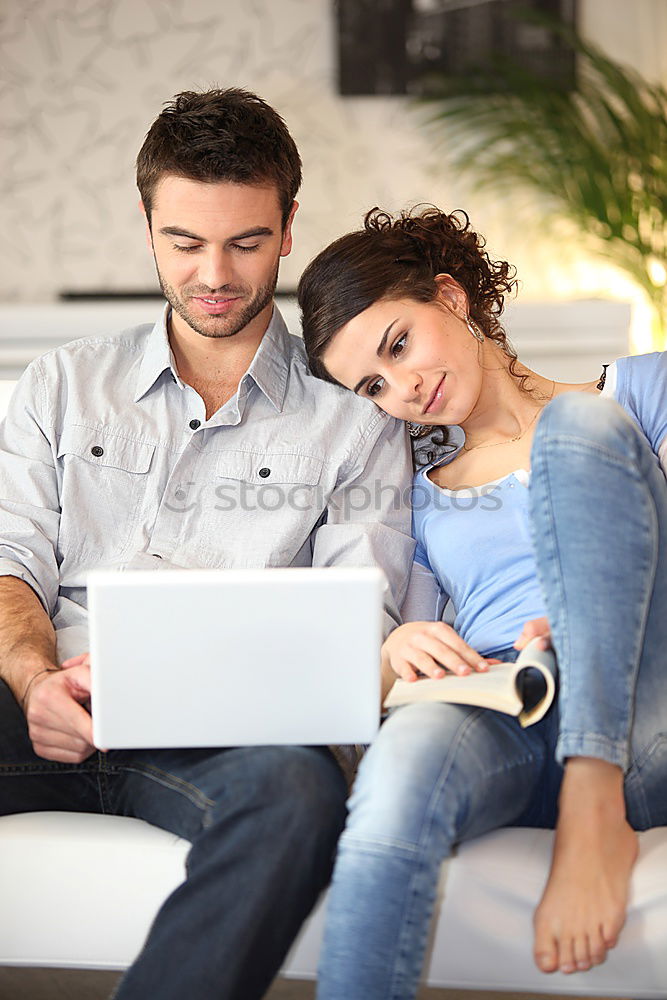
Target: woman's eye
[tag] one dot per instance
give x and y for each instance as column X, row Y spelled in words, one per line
column 373, row 388
column 399, row 346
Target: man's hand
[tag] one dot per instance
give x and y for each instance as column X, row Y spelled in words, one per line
column 537, row 628
column 429, row 648
column 59, row 725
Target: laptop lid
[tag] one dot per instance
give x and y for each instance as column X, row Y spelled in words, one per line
column 191, row 658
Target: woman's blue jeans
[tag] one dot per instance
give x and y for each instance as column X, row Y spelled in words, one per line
column 263, row 823
column 440, row 774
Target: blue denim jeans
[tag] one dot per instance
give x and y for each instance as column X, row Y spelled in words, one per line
column 440, row 774
column 263, row 823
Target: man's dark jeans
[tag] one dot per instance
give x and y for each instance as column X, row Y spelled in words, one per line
column 263, row 823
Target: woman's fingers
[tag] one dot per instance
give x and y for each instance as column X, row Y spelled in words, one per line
column 431, row 649
column 445, row 645
column 537, row 628
column 418, row 662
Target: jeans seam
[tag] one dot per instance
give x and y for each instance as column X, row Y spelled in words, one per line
column 380, row 845
column 556, row 564
column 54, row 767
column 168, row 780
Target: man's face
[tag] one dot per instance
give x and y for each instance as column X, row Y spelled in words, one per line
column 217, row 248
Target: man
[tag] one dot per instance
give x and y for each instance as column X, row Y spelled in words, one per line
column 155, row 448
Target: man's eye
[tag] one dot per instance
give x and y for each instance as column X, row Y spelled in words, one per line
column 399, row 345
column 373, row 388
column 238, row 246
column 186, row 249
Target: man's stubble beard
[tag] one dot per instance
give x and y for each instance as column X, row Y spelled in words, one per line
column 262, row 297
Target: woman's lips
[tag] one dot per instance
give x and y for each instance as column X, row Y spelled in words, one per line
column 214, row 307
column 436, row 398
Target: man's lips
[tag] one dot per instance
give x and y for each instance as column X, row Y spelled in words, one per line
column 214, row 304
column 436, row 396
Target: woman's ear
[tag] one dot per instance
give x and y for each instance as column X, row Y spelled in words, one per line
column 451, row 294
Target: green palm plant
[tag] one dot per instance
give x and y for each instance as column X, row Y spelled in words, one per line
column 597, row 152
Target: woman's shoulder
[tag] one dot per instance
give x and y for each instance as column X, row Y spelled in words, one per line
column 641, row 367
column 639, row 375
column 641, row 388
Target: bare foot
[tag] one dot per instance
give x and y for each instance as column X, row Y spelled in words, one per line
column 583, row 905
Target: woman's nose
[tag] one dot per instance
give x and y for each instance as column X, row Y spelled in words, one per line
column 408, row 385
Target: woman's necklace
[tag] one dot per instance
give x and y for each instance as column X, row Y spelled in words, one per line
column 495, row 444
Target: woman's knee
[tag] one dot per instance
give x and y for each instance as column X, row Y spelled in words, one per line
column 582, row 416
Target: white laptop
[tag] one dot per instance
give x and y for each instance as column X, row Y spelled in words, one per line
column 191, row 658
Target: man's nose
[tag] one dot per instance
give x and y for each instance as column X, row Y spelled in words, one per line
column 215, row 270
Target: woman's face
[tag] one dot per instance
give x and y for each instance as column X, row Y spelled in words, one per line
column 417, row 360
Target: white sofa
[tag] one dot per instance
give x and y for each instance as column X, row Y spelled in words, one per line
column 79, row 891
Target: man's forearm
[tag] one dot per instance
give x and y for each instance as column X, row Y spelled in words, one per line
column 27, row 637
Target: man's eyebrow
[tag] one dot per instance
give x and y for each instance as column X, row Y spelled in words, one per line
column 246, row 235
column 177, row 231
column 255, row 231
column 379, row 352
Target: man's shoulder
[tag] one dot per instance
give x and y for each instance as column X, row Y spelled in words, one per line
column 114, row 346
column 329, row 396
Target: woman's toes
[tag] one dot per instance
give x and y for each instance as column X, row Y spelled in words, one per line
column 597, row 948
column 545, row 944
column 566, row 960
column 582, row 955
column 610, row 933
column 546, row 961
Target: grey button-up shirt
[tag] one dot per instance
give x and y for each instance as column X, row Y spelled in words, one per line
column 107, row 459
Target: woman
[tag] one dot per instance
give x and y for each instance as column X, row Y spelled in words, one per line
column 563, row 533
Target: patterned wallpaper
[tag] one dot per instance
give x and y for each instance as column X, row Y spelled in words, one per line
column 81, row 81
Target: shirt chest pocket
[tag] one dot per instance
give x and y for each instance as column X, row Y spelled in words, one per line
column 103, row 491
column 264, row 508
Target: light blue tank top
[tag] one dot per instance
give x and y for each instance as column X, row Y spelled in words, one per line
column 477, row 541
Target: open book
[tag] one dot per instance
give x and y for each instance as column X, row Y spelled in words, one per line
column 525, row 688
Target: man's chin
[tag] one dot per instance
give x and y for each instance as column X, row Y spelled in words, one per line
column 207, row 325
column 214, row 326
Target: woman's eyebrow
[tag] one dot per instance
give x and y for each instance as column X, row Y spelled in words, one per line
column 379, row 352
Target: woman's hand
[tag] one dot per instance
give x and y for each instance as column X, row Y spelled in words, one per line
column 537, row 628
column 429, row 648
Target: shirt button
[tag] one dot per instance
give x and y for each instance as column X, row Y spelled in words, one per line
column 180, row 494
column 194, row 424
column 97, row 451
column 264, row 473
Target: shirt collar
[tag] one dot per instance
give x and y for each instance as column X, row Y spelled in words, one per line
column 269, row 369
column 157, row 358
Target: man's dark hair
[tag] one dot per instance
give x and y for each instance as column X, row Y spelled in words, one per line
column 220, row 135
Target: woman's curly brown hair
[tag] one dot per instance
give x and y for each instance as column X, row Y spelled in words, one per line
column 399, row 257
